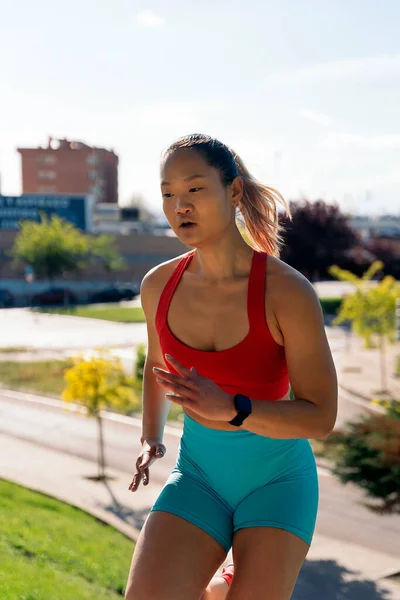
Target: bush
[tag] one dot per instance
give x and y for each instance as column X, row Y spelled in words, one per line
column 330, row 306
column 139, row 366
column 367, row 453
column 398, row 366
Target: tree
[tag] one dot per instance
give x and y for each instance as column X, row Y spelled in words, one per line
column 99, row 382
column 54, row 246
column 317, row 237
column 371, row 310
column 51, row 247
column 103, row 250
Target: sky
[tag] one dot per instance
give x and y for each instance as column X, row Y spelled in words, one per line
column 308, row 93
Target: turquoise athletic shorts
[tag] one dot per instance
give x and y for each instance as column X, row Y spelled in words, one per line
column 230, row 480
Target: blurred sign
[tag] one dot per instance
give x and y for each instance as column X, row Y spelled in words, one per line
column 75, row 209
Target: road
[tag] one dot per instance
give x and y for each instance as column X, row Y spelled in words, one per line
column 341, row 516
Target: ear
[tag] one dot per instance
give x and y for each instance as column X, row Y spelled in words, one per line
column 237, row 191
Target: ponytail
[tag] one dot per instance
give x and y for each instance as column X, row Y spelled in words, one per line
column 259, row 203
column 259, row 209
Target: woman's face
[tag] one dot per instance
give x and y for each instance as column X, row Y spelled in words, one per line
column 198, row 206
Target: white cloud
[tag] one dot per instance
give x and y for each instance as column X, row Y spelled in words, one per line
column 149, row 20
column 316, row 117
column 338, row 140
column 369, row 67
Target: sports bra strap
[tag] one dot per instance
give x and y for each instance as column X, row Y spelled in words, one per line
column 256, row 291
column 169, row 290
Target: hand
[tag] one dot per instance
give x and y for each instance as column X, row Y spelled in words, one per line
column 198, row 394
column 152, row 449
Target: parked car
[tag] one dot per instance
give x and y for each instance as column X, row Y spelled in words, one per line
column 129, row 291
column 54, row 296
column 6, row 299
column 114, row 293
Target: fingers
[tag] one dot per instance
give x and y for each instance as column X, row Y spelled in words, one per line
column 146, row 476
column 135, row 481
column 178, row 367
column 143, row 463
column 178, row 389
column 190, row 384
column 179, row 400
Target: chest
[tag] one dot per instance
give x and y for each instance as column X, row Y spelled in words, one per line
column 209, row 317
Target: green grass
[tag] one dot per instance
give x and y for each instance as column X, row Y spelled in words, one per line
column 52, row 551
column 47, row 377
column 42, row 377
column 13, row 349
column 120, row 314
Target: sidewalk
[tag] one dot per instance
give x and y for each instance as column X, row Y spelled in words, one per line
column 334, row 569
column 359, row 369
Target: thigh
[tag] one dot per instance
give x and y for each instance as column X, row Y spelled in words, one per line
column 289, row 503
column 267, row 564
column 173, row 560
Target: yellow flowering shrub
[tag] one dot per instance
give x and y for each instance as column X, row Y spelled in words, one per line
column 100, row 382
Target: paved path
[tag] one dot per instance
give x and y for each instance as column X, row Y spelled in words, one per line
column 40, row 331
column 341, row 514
column 334, row 570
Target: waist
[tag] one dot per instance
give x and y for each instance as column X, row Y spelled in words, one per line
column 199, row 439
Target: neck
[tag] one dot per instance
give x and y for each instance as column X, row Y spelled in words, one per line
column 225, row 260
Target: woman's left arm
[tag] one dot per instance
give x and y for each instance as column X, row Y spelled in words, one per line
column 312, row 414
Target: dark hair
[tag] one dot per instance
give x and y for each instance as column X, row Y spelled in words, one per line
column 259, row 203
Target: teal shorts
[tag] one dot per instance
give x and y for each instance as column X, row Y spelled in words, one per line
column 230, row 480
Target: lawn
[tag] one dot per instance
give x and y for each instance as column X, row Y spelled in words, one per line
column 47, row 377
column 42, row 376
column 112, row 312
column 52, row 551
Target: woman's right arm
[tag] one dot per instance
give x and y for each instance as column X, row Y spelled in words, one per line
column 155, row 406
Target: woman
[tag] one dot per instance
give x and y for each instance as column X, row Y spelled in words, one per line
column 228, row 327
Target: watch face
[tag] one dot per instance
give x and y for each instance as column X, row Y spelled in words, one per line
column 243, row 403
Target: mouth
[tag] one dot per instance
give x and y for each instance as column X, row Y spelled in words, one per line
column 187, row 225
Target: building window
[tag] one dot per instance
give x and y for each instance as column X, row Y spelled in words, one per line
column 46, row 159
column 47, row 174
column 47, row 189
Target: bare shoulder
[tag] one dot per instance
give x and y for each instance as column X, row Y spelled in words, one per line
column 154, row 282
column 289, row 290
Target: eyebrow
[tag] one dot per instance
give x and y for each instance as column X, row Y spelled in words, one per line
column 190, row 178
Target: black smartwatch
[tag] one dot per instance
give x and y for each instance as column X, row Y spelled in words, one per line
column 243, row 407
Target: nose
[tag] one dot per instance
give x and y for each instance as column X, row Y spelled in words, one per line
column 183, row 206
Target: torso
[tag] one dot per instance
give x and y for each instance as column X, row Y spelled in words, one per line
column 212, row 317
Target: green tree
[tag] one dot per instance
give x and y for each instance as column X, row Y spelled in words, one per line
column 104, row 251
column 51, row 247
column 371, row 310
column 100, row 383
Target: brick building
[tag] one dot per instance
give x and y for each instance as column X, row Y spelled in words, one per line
column 70, row 167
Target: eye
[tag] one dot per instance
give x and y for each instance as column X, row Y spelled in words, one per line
column 195, row 189
column 167, row 195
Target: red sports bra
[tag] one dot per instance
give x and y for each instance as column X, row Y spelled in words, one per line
column 256, row 366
